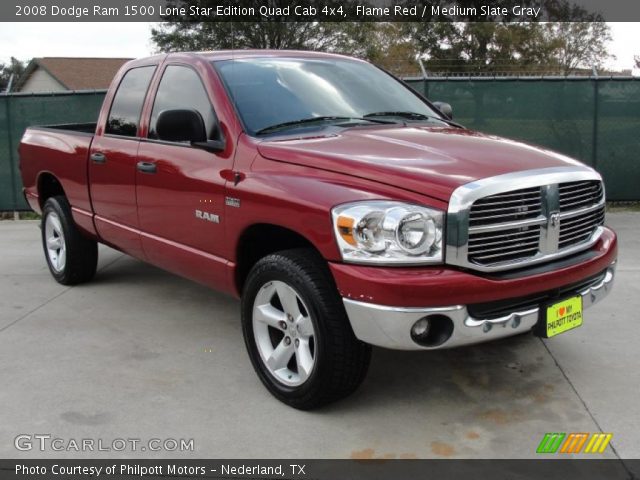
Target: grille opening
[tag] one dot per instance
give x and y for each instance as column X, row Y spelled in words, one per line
column 577, row 229
column 576, row 195
column 505, row 245
column 506, row 207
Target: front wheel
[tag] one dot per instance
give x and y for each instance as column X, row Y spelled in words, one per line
column 72, row 258
column 297, row 332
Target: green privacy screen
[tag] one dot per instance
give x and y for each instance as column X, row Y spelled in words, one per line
column 596, row 121
column 17, row 112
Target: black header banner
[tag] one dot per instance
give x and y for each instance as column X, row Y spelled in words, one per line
column 315, row 10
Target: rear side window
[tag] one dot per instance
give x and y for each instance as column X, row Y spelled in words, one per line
column 127, row 103
column 181, row 88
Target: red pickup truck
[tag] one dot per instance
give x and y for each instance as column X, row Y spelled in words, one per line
column 344, row 209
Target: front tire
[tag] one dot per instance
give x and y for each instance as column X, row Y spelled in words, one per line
column 297, row 332
column 72, row 258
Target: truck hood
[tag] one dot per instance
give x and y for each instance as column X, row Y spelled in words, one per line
column 433, row 161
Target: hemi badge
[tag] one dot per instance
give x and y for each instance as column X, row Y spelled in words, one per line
column 232, row 202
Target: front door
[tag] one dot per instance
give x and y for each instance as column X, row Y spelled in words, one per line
column 180, row 188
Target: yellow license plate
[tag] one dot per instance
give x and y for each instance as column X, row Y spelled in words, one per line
column 563, row 316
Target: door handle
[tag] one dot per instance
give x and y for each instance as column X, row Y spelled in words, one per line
column 146, row 167
column 98, row 157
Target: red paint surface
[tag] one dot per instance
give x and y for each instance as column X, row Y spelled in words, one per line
column 438, row 286
column 288, row 182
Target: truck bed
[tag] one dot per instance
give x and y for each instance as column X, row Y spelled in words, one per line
column 86, row 128
column 60, row 151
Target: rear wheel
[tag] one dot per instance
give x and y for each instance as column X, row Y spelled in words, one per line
column 297, row 332
column 72, row 258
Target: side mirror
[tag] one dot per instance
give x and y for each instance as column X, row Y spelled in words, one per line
column 181, row 126
column 445, row 109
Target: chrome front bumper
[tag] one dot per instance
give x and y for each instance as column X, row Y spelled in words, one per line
column 390, row 327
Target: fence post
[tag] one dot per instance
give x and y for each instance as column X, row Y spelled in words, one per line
column 12, row 167
column 596, row 120
column 425, row 85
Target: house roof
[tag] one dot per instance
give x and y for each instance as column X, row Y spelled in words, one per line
column 75, row 73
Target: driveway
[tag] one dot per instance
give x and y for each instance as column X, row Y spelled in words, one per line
column 140, row 353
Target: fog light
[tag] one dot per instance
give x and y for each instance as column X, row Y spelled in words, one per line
column 432, row 331
column 420, row 330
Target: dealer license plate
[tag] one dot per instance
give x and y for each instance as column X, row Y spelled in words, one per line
column 562, row 316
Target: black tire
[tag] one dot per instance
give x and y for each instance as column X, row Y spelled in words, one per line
column 81, row 253
column 341, row 360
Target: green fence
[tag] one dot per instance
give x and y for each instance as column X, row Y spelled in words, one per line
column 17, row 112
column 596, row 121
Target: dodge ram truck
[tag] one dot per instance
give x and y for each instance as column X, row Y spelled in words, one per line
column 344, row 209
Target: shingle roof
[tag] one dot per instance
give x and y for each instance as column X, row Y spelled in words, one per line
column 77, row 73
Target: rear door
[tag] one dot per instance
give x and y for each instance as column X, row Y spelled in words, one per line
column 180, row 188
column 112, row 163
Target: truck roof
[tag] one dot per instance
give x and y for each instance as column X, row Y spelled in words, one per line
column 214, row 55
column 254, row 53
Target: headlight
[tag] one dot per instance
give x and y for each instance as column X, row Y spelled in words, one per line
column 386, row 232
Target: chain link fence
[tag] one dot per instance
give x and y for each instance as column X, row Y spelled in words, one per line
column 595, row 120
column 19, row 111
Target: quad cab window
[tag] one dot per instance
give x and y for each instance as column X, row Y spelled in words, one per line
column 124, row 116
column 181, row 88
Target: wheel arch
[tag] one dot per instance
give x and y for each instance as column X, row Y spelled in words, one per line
column 48, row 186
column 260, row 240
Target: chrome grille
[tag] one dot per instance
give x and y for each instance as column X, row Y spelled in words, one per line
column 506, row 207
column 524, row 218
column 504, row 245
column 574, row 195
column 578, row 228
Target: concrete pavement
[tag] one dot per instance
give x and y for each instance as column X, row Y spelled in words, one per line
column 139, row 353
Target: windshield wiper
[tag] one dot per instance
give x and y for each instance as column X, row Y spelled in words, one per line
column 304, row 121
column 411, row 116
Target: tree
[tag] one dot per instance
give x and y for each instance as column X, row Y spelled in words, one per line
column 500, row 43
column 15, row 67
column 636, row 59
column 575, row 38
column 572, row 38
column 579, row 37
column 492, row 47
column 482, row 47
column 391, row 47
column 578, row 44
column 184, row 33
column 194, row 36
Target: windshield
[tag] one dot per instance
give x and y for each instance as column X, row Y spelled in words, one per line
column 269, row 92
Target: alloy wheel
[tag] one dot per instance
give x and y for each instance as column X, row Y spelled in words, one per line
column 55, row 242
column 284, row 333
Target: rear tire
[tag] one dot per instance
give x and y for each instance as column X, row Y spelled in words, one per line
column 72, row 258
column 297, row 332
